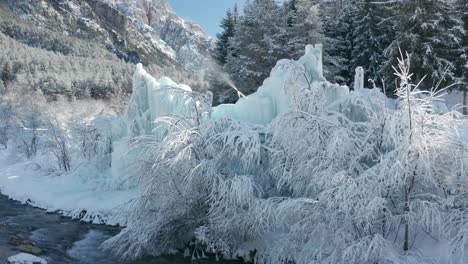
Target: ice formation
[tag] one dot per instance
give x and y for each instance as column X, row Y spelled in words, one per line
column 278, row 91
column 152, row 99
column 359, row 79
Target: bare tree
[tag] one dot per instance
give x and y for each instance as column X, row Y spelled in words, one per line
column 58, row 144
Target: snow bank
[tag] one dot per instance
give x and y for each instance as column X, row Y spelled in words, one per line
column 66, row 194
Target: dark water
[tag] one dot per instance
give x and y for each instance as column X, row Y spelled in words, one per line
column 62, row 239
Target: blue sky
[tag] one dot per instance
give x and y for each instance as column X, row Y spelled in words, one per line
column 206, row 13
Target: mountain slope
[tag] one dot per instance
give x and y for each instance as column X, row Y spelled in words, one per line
column 136, row 31
column 186, row 41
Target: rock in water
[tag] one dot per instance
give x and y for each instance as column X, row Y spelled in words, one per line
column 24, row 258
column 29, row 249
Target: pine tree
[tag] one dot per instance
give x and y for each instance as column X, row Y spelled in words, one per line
column 339, row 44
column 371, row 35
column 425, row 31
column 302, row 26
column 222, row 44
column 256, row 46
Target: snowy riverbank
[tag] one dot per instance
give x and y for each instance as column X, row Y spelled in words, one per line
column 65, row 194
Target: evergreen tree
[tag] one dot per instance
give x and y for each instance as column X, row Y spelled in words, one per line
column 339, row 44
column 222, row 44
column 256, row 46
column 371, row 35
column 425, row 31
column 302, row 26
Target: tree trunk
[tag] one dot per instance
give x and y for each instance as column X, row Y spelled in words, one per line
column 406, row 210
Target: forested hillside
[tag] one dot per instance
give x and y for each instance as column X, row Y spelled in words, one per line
column 45, row 46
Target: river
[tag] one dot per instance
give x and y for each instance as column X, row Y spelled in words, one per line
column 64, row 240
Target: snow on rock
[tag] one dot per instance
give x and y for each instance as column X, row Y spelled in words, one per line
column 24, row 258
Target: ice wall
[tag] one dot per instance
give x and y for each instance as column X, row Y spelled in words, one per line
column 153, row 98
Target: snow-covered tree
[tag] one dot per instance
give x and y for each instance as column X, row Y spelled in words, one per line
column 228, row 24
column 371, row 36
column 426, row 31
column 57, row 143
column 29, row 127
column 339, row 43
column 336, row 177
column 301, row 26
column 255, row 46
